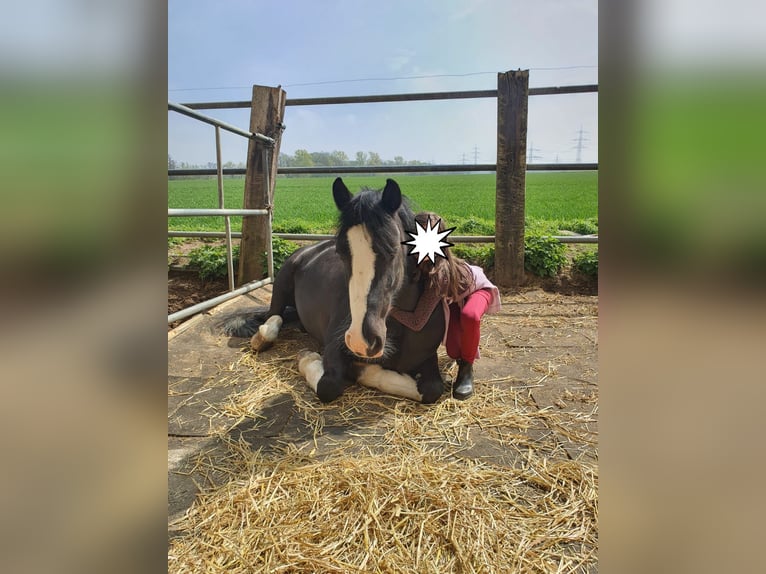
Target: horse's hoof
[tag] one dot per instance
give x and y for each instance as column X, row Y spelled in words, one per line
column 328, row 390
column 430, row 391
column 267, row 334
column 259, row 342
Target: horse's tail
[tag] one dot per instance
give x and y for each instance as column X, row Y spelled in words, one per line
column 245, row 325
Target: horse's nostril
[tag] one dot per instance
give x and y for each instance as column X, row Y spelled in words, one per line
column 376, row 347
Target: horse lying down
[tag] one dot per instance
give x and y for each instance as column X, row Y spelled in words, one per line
column 343, row 289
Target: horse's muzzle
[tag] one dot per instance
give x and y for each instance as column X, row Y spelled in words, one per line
column 361, row 348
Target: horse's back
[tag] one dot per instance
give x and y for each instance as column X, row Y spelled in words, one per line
column 305, row 256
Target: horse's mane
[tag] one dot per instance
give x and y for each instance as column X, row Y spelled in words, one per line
column 407, row 221
column 406, row 215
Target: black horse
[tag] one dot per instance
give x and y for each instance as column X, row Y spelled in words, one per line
column 343, row 290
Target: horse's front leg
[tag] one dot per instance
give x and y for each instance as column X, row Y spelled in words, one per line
column 427, row 389
column 310, row 366
column 390, row 382
column 327, row 376
column 430, row 382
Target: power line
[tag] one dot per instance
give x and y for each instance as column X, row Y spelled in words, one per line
column 388, row 79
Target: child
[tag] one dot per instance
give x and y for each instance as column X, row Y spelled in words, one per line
column 466, row 294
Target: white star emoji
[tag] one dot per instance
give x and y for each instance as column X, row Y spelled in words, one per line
column 428, row 242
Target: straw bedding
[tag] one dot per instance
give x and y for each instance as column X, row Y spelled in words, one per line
column 398, row 512
column 406, row 488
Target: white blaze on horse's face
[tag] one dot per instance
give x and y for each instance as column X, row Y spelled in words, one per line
column 362, row 274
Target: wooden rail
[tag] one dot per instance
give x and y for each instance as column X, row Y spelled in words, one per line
column 411, row 97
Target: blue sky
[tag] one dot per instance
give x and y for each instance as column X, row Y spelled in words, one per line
column 217, row 50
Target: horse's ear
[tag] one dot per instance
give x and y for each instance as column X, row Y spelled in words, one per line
column 340, row 193
column 392, row 196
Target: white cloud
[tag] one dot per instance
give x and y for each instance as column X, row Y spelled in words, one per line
column 399, row 59
column 466, row 9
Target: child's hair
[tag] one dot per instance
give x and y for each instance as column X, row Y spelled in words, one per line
column 450, row 275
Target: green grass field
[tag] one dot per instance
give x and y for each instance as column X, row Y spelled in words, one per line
column 554, row 200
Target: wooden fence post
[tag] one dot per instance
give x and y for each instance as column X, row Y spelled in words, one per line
column 266, row 114
column 512, row 99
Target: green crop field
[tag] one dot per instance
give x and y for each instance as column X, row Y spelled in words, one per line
column 305, row 204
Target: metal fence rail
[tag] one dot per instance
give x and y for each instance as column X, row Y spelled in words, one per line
column 438, row 168
column 429, row 168
column 323, row 236
column 187, row 111
column 225, row 213
column 210, row 303
column 214, row 212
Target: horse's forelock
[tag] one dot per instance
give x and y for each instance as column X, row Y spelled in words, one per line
column 357, row 210
column 365, row 209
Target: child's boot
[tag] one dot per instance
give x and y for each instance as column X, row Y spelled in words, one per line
column 463, row 386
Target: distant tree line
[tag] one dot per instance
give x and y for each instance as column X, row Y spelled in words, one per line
column 173, row 164
column 337, row 158
column 304, row 158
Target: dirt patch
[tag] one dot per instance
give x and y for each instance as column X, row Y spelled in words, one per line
column 566, row 283
column 185, row 288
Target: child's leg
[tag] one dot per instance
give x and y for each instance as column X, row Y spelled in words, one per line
column 454, row 332
column 470, row 323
